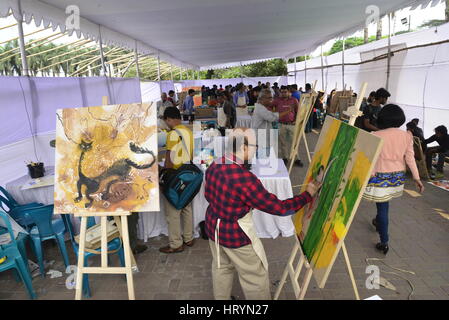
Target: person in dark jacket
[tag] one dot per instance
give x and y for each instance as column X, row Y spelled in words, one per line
column 442, row 138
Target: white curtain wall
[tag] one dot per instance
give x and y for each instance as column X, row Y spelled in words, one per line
column 419, row 77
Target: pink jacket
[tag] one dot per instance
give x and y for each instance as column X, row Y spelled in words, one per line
column 397, row 150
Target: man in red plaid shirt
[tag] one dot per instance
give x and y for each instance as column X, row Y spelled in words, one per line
column 232, row 191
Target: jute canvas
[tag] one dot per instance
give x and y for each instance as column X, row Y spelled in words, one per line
column 106, row 159
column 343, row 160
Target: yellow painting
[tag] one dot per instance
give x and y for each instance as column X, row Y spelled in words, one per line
column 343, row 159
column 106, row 159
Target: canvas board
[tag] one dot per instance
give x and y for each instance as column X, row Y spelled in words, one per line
column 106, row 159
column 343, row 159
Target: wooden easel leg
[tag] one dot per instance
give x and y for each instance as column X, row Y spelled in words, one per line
column 294, row 152
column 127, row 249
column 79, row 272
column 351, row 275
column 305, row 284
column 307, row 148
column 285, row 274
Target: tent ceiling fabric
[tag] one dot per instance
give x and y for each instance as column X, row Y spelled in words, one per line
column 205, row 33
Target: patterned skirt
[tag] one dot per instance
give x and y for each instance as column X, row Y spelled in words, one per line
column 385, row 186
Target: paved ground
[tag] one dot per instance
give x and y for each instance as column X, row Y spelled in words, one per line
column 419, row 242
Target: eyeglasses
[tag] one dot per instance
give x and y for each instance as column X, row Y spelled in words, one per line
column 253, row 145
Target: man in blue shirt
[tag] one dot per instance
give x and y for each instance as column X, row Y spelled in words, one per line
column 187, row 106
column 295, row 93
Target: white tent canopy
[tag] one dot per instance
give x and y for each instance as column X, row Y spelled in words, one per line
column 200, row 34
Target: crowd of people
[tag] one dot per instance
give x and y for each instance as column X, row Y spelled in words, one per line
column 232, row 189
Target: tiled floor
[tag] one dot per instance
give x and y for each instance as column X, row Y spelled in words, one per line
column 419, row 243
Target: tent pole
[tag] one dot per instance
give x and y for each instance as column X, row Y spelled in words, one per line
column 343, row 66
column 295, row 70
column 241, row 72
column 322, row 70
column 171, row 72
column 159, row 72
column 137, row 62
column 389, row 52
column 23, row 55
column 103, row 66
column 305, row 70
column 180, row 73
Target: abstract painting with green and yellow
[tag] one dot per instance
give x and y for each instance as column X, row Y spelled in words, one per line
column 343, row 159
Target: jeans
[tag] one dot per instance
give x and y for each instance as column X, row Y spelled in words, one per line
column 309, row 124
column 382, row 221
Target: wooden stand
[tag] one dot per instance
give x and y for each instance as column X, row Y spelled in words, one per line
column 104, row 269
column 354, row 111
column 121, row 219
column 295, row 271
column 300, row 128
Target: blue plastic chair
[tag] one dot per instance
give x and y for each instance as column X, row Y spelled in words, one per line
column 14, row 259
column 46, row 228
column 17, row 211
column 113, row 245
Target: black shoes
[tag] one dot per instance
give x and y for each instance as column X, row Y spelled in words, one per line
column 299, row 163
column 139, row 249
column 382, row 247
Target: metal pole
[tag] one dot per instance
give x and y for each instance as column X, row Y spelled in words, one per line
column 159, row 72
column 305, row 70
column 23, row 55
column 389, row 52
column 103, row 65
column 343, row 66
column 295, row 70
column 322, row 70
column 136, row 55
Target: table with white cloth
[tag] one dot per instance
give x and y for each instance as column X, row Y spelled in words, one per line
column 243, row 121
column 43, row 195
column 275, row 179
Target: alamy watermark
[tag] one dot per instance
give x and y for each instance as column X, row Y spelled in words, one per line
column 72, row 22
column 373, row 280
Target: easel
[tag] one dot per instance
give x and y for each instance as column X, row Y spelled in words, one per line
column 354, row 111
column 295, row 271
column 340, row 100
column 121, row 219
column 300, row 127
column 104, row 269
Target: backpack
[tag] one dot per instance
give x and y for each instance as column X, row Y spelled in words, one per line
column 181, row 185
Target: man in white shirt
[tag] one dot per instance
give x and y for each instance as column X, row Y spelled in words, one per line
column 161, row 106
column 263, row 117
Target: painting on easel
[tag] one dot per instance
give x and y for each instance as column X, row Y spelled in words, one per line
column 343, row 159
column 106, row 159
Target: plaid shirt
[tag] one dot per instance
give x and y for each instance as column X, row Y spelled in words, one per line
column 232, row 191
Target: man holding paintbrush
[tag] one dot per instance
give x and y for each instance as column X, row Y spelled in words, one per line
column 232, row 191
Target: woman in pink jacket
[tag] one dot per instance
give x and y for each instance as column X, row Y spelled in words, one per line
column 388, row 177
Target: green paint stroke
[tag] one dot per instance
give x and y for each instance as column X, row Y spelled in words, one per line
column 341, row 150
